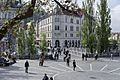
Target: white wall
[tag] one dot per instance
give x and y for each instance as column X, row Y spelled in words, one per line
column 59, row 34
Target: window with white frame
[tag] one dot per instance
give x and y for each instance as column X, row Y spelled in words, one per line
column 71, row 35
column 65, row 34
column 65, row 27
column 56, row 27
column 71, row 20
column 77, row 35
column 56, row 19
column 71, row 28
column 77, row 28
column 66, row 19
column 48, row 28
column 77, row 21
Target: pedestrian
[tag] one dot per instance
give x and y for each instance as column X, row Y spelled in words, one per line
column 111, row 55
column 96, row 56
column 59, row 51
column 51, row 78
column 26, row 66
column 86, row 56
column 41, row 59
column 74, row 65
column 45, row 77
column 64, row 51
column 57, row 55
column 53, row 50
column 83, row 57
column 67, row 52
column 64, row 58
column 69, row 56
column 68, row 61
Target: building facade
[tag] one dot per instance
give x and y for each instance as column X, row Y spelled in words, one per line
column 62, row 29
column 8, row 43
column 115, row 35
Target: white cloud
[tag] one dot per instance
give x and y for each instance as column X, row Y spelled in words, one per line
column 115, row 17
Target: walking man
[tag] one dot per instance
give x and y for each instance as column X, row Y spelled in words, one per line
column 45, row 77
column 83, row 57
column 74, row 65
column 26, row 66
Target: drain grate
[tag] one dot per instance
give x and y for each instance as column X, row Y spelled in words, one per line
column 93, row 77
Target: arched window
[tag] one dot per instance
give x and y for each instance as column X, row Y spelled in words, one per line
column 72, row 43
column 65, row 43
column 57, row 43
column 71, row 20
column 76, row 43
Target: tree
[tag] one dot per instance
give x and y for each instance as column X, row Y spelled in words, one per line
column 31, row 40
column 27, row 11
column 20, row 42
column 43, row 48
column 22, row 14
column 88, row 26
column 103, row 29
column 43, row 43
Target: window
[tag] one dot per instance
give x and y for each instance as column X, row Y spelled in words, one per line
column 77, row 21
column 71, row 20
column 56, row 27
column 71, row 35
column 77, row 35
column 77, row 28
column 66, row 28
column 71, row 28
column 48, row 35
column 45, row 21
column 48, row 20
column 56, row 19
column 65, row 34
column 66, row 19
column 48, row 28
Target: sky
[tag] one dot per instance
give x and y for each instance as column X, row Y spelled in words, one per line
column 114, row 5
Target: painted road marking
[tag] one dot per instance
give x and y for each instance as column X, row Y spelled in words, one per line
column 103, row 67
column 57, row 69
column 114, row 70
column 90, row 67
column 66, row 67
column 80, row 68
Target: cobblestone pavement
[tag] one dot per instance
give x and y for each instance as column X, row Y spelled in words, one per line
column 102, row 69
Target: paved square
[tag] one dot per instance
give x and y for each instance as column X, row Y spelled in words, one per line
column 102, row 69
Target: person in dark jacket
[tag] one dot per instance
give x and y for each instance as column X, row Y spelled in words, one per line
column 51, row 78
column 96, row 56
column 45, row 77
column 83, row 57
column 26, row 66
column 68, row 61
column 74, row 65
column 86, row 56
